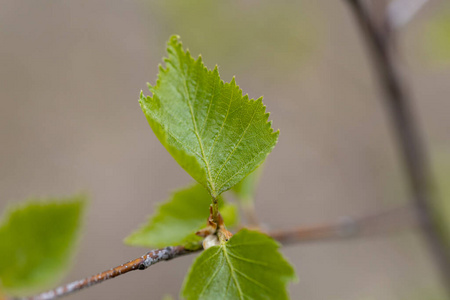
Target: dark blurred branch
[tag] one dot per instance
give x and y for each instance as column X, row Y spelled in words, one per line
column 377, row 224
column 414, row 159
column 406, row 130
column 380, row 223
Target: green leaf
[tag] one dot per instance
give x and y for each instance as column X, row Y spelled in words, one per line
column 441, row 207
column 245, row 189
column 214, row 132
column 248, row 266
column 37, row 242
column 437, row 35
column 176, row 220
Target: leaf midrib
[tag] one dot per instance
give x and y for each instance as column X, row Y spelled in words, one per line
column 194, row 122
column 232, row 271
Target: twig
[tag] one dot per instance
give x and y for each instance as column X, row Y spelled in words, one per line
column 140, row 263
column 347, row 227
column 405, row 127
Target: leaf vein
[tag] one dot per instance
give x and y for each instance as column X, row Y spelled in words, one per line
column 238, row 143
column 209, row 109
column 248, row 260
column 254, row 281
column 243, row 167
column 232, row 270
column 223, row 125
column 183, row 144
column 212, row 278
column 246, row 244
column 211, row 257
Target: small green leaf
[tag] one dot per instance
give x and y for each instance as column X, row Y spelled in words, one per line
column 176, row 220
column 37, row 242
column 214, row 132
column 441, row 207
column 230, row 214
column 248, row 266
column 437, row 35
column 245, row 189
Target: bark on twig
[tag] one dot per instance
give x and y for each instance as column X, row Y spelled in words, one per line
column 140, row 263
column 415, row 162
column 344, row 228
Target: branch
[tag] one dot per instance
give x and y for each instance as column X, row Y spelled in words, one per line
column 346, row 227
column 140, row 263
column 409, row 138
column 384, row 222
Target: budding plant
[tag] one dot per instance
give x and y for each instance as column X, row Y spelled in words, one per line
column 219, row 136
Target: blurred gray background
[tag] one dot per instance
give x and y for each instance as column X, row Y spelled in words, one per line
column 70, row 77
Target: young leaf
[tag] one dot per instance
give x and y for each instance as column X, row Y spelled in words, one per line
column 245, row 189
column 437, row 35
column 441, row 207
column 248, row 266
column 176, row 221
column 37, row 240
column 214, row 132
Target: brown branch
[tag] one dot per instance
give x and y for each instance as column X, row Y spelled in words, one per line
column 381, row 223
column 347, row 227
column 140, row 263
column 415, row 161
column 406, row 130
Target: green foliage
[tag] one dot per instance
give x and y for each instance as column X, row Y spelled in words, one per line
column 437, row 35
column 245, row 189
column 248, row 266
column 219, row 137
column 37, row 240
column 176, row 220
column 214, row 132
column 441, row 209
column 419, row 292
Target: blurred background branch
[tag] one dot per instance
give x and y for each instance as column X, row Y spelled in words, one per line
column 384, row 222
column 70, row 78
column 405, row 126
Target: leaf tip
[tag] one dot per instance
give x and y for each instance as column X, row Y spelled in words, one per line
column 188, row 54
column 161, row 68
column 174, row 39
column 129, row 240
